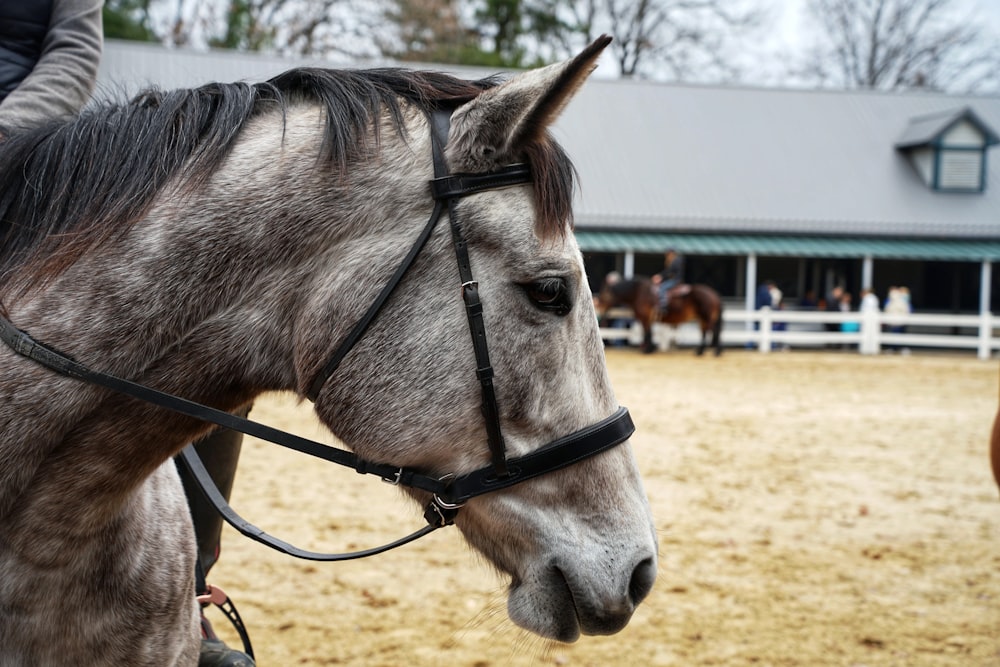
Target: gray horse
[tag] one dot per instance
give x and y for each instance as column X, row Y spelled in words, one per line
column 217, row 243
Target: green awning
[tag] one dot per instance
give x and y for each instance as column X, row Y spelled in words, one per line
column 790, row 246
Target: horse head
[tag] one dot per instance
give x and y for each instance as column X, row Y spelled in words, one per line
column 202, row 245
column 408, row 392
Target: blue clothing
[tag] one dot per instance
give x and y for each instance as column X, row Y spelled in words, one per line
column 671, row 276
column 663, row 288
column 763, row 297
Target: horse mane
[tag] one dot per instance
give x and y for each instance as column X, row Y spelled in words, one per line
column 66, row 188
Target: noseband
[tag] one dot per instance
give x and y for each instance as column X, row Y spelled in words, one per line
column 449, row 493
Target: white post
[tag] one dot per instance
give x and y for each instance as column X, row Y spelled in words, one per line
column 985, row 315
column 870, row 329
column 866, row 272
column 764, row 341
column 751, row 287
column 629, row 268
column 636, row 334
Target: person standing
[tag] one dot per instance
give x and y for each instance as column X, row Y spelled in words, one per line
column 833, row 299
column 897, row 310
column 764, row 296
column 869, row 301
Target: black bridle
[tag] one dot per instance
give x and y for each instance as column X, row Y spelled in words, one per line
column 449, row 493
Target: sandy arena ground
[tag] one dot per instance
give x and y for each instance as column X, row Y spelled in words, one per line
column 813, row 509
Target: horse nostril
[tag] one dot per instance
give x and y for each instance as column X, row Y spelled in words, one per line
column 642, row 581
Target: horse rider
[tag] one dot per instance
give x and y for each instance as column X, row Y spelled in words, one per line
column 671, row 276
column 49, row 51
column 49, row 55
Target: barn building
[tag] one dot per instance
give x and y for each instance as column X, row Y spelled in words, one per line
column 805, row 187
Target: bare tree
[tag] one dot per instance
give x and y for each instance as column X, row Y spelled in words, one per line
column 427, row 31
column 679, row 39
column 301, row 27
column 662, row 39
column 562, row 27
column 291, row 27
column 665, row 39
column 899, row 44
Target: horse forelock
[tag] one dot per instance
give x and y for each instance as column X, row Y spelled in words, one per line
column 67, row 188
column 553, row 181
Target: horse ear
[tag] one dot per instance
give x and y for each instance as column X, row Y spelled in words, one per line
column 494, row 127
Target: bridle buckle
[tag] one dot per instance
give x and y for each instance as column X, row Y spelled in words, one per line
column 444, row 504
column 395, row 479
column 437, row 516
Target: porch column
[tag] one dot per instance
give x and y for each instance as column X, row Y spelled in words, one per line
column 800, row 285
column 629, row 268
column 985, row 316
column 866, row 272
column 751, row 286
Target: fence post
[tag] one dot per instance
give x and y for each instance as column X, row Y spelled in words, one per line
column 635, row 333
column 985, row 314
column 764, row 341
column 665, row 336
column 870, row 329
column 985, row 335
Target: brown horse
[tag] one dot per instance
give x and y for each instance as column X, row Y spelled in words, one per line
column 686, row 303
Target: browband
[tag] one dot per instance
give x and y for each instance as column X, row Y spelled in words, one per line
column 455, row 186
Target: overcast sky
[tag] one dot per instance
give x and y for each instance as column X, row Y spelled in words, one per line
column 789, row 16
column 789, row 32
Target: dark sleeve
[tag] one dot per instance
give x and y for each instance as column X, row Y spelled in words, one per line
column 61, row 83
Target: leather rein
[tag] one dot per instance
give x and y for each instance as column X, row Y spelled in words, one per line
column 449, row 493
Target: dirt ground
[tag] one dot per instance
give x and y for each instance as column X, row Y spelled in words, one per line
column 813, row 509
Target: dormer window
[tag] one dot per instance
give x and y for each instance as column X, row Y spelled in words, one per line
column 948, row 150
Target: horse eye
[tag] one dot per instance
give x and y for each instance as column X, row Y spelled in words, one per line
column 549, row 294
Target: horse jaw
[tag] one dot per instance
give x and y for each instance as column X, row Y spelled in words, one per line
column 582, row 564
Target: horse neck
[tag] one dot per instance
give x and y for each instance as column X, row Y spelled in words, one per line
column 201, row 298
column 627, row 291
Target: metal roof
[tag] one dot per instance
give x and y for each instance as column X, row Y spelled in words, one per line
column 127, row 67
column 924, row 130
column 676, row 158
column 789, row 246
column 672, row 158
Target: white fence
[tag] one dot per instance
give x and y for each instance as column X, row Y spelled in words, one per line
column 767, row 330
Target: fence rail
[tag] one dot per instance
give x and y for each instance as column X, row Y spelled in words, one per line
column 871, row 332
